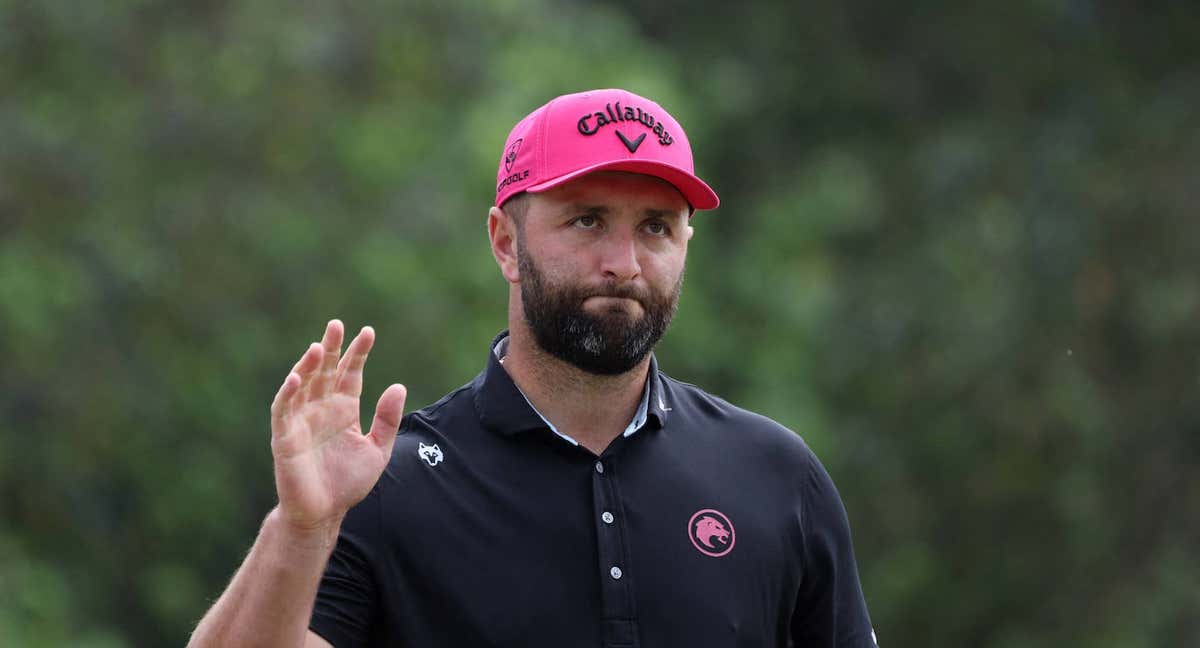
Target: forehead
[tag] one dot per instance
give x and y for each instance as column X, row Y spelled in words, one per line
column 616, row 190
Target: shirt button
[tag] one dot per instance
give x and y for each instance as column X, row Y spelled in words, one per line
column 599, row 467
column 615, row 572
column 607, row 517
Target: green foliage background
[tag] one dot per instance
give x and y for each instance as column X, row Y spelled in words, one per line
column 958, row 252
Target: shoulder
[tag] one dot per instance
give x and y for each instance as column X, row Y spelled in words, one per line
column 733, row 428
column 440, row 414
column 427, row 436
column 766, row 451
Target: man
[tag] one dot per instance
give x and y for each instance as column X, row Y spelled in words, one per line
column 571, row 494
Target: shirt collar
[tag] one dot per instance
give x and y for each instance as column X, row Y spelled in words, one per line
column 503, row 408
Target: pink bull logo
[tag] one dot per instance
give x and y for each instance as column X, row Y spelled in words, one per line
column 711, row 532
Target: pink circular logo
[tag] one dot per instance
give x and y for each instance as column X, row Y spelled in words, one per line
column 711, row 532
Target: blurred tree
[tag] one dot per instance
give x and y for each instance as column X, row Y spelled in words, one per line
column 995, row 208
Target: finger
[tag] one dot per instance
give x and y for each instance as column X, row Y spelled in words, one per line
column 350, row 369
column 281, row 406
column 306, row 367
column 387, row 418
column 332, row 345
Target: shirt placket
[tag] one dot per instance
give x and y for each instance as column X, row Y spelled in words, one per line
column 618, row 625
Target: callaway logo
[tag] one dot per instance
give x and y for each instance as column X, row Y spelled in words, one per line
column 615, row 113
column 432, row 454
column 711, row 532
column 632, row 146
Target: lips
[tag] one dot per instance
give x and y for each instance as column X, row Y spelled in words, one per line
column 618, row 305
column 618, row 298
column 628, row 292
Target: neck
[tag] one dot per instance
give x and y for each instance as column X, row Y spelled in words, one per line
column 591, row 409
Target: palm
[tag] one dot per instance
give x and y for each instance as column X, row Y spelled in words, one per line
column 323, row 463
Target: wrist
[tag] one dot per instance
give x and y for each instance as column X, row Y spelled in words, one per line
column 320, row 537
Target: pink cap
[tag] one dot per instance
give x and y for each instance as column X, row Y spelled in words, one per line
column 611, row 130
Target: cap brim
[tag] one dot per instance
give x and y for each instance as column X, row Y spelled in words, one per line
column 695, row 191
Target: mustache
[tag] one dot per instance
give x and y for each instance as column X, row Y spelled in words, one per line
column 622, row 291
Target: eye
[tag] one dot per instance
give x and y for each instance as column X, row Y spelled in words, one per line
column 658, row 228
column 587, row 221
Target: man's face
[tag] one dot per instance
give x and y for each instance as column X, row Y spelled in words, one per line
column 601, row 262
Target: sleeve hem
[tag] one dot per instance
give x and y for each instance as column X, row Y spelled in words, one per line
column 327, row 629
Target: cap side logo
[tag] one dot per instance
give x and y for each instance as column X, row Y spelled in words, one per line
column 511, row 155
column 711, row 533
column 510, row 158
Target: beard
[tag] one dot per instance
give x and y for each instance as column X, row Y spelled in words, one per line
column 604, row 343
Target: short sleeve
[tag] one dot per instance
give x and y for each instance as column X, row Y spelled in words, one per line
column 347, row 598
column 830, row 609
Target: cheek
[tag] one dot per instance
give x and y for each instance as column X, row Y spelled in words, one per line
column 565, row 265
column 558, row 271
column 664, row 268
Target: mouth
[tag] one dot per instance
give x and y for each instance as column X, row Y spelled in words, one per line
column 612, row 303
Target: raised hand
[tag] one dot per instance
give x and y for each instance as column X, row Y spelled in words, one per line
column 323, row 462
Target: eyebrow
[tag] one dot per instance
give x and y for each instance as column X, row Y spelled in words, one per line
column 659, row 213
column 600, row 210
column 590, row 210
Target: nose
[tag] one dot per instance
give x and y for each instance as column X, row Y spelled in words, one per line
column 619, row 258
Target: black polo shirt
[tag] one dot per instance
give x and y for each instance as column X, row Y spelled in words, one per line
column 709, row 526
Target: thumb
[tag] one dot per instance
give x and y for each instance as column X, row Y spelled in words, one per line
column 387, row 418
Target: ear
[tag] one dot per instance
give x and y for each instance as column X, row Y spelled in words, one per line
column 502, row 230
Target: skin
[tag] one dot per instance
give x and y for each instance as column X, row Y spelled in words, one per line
column 602, row 227
column 323, row 466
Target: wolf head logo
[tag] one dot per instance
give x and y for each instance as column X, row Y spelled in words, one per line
column 711, row 532
column 432, row 454
column 709, row 528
